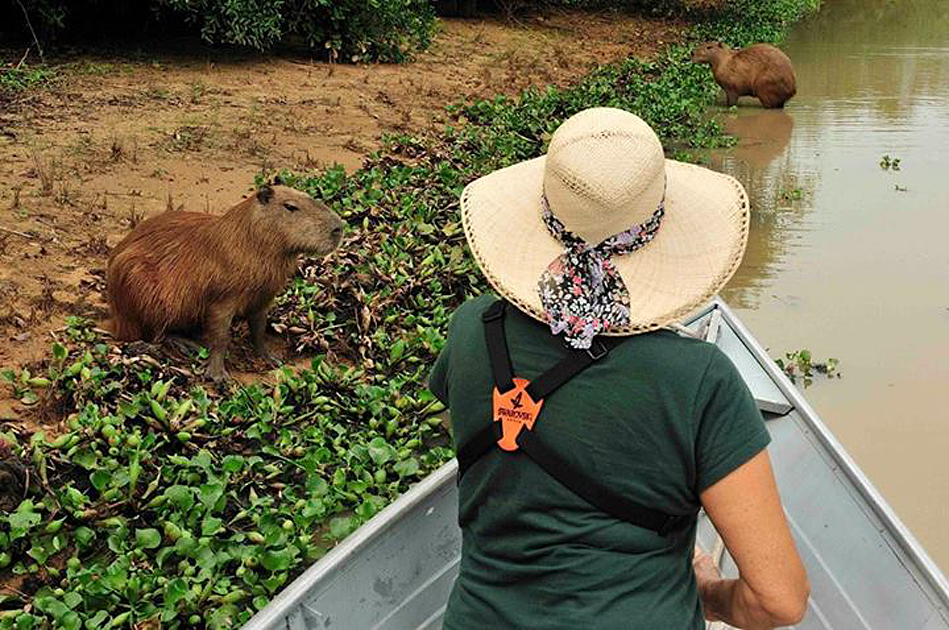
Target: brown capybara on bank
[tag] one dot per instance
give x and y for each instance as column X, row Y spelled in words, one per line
column 759, row 70
column 184, row 272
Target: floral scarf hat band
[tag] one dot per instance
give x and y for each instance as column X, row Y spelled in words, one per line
column 581, row 291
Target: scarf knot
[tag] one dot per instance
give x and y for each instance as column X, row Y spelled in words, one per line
column 581, row 290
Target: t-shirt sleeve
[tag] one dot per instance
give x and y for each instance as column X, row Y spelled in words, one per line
column 438, row 378
column 731, row 430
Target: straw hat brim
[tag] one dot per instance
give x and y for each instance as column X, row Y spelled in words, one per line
column 697, row 249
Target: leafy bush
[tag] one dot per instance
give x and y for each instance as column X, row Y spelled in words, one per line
column 348, row 30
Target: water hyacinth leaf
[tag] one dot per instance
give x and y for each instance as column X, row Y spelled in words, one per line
column 147, row 538
column 27, row 621
column 86, row 457
column 22, row 521
column 51, row 606
column 40, row 553
column 72, row 599
column 186, row 544
column 96, row 620
column 206, row 558
column 202, row 459
column 232, row 463
column 407, row 467
column 175, row 590
column 223, row 617
column 316, row 486
column 100, row 479
column 380, row 451
column 83, row 536
column 342, row 526
column 398, row 349
column 115, row 576
column 211, row 525
column 276, row 559
column 210, row 493
column 71, row 621
column 180, row 496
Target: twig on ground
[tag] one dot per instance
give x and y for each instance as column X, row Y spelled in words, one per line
column 23, row 234
column 23, row 58
column 30, row 24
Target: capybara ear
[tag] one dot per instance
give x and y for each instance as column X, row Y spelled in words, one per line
column 719, row 45
column 265, row 194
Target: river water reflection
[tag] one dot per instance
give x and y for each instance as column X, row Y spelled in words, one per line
column 850, row 260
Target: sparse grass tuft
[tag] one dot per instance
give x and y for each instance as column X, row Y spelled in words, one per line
column 44, row 171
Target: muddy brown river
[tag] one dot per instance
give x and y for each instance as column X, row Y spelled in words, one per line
column 849, row 259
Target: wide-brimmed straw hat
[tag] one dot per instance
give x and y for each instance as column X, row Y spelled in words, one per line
column 605, row 172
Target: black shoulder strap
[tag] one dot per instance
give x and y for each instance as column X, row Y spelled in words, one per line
column 595, row 493
column 501, row 369
column 543, row 386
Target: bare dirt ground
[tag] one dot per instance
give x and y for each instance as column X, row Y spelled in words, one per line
column 116, row 138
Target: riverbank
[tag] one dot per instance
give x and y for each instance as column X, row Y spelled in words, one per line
column 105, row 138
column 153, row 497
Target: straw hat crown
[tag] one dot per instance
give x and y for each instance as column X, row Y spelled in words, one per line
column 605, row 173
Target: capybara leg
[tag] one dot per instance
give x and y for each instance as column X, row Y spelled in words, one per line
column 217, row 330
column 257, row 321
column 731, row 98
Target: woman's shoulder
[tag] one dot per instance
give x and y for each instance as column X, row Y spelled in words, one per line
column 668, row 352
column 472, row 308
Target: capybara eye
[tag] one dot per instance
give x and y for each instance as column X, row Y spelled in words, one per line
column 337, row 232
column 290, row 207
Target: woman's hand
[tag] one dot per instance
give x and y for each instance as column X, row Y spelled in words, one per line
column 706, row 574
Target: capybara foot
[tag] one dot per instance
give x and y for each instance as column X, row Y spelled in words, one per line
column 215, row 370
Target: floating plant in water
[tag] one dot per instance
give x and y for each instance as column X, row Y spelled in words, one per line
column 800, row 365
column 888, row 163
column 794, row 194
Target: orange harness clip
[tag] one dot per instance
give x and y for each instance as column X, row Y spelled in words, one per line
column 515, row 409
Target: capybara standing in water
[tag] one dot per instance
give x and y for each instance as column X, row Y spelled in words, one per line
column 759, row 70
column 184, row 272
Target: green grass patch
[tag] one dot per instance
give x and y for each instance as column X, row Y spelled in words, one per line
column 17, row 80
column 164, row 499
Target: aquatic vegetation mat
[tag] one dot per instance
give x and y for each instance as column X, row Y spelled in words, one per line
column 162, row 501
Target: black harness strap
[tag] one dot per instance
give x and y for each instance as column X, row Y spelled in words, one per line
column 567, row 474
column 501, row 369
column 595, row 493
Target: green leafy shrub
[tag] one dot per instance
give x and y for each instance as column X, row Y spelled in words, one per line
column 348, row 30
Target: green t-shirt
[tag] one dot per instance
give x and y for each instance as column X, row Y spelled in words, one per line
column 659, row 419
